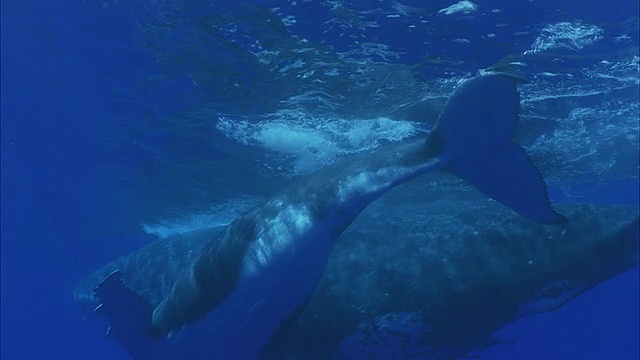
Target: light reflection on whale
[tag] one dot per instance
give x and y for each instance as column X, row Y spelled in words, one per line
column 224, row 296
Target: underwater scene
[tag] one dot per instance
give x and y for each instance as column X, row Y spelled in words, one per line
column 316, row 179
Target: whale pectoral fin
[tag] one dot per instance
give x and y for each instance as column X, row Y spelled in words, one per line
column 508, row 176
column 129, row 316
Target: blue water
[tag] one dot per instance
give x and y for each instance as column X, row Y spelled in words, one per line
column 123, row 120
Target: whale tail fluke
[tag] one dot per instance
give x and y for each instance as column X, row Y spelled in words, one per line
column 509, row 177
column 474, row 134
column 129, row 316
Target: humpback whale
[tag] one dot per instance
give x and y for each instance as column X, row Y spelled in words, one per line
column 434, row 283
column 228, row 298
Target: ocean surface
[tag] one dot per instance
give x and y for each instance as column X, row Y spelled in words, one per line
column 124, row 121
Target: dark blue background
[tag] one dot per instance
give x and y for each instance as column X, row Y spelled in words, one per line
column 61, row 218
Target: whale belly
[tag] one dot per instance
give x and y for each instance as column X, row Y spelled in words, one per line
column 280, row 270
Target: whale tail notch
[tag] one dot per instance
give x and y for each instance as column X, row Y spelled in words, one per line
column 474, row 133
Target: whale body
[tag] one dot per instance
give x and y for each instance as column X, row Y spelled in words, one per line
column 228, row 298
column 436, row 284
column 430, row 284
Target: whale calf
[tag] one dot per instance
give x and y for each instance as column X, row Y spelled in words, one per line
column 227, row 300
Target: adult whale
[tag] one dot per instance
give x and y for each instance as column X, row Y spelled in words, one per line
column 433, row 283
column 247, row 280
column 438, row 282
